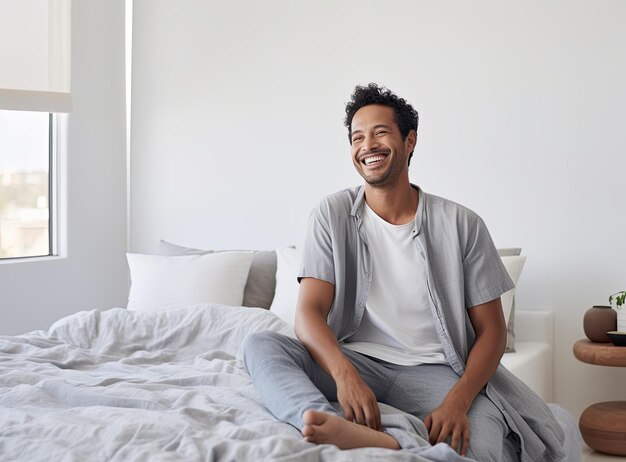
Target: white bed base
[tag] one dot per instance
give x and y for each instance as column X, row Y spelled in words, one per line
column 532, row 360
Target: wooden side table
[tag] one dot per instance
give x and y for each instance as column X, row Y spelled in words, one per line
column 603, row 425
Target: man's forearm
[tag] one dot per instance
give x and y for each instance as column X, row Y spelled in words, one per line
column 482, row 363
column 315, row 334
column 484, row 357
column 356, row 398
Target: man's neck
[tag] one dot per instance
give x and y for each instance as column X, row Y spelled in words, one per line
column 396, row 204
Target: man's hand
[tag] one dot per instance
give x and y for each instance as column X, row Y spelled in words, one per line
column 449, row 420
column 357, row 400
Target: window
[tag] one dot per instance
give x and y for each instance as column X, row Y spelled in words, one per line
column 34, row 92
column 26, row 184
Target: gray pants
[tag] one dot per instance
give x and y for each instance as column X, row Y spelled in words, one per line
column 290, row 382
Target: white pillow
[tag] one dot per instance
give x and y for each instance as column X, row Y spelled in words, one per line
column 514, row 266
column 159, row 281
column 287, row 287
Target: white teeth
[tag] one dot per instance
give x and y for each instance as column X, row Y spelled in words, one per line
column 371, row 160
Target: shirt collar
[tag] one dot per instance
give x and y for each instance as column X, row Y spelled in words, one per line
column 360, row 197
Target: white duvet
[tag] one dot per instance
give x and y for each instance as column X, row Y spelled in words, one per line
column 119, row 385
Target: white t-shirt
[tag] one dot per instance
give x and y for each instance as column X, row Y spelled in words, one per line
column 397, row 324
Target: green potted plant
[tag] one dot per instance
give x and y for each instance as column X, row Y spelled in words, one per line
column 617, row 300
column 619, row 297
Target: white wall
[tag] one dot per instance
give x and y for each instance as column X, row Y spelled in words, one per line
column 237, row 131
column 33, row 294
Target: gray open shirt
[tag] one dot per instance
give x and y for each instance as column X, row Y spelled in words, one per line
column 464, row 270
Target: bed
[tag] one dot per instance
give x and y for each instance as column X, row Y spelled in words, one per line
column 161, row 383
column 532, row 359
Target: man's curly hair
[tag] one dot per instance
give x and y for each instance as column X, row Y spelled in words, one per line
column 406, row 117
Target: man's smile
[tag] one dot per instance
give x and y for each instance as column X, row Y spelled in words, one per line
column 373, row 159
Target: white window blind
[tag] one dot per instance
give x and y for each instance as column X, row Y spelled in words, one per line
column 35, row 55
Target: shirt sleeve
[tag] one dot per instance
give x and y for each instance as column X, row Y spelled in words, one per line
column 485, row 276
column 317, row 256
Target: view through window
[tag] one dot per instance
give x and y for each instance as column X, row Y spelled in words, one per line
column 25, row 161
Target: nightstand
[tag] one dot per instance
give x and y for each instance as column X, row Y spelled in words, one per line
column 603, row 425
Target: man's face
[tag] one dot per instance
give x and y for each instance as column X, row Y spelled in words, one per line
column 378, row 152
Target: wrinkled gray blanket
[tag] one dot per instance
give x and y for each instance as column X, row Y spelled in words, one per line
column 155, row 386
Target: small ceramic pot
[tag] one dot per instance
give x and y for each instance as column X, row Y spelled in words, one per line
column 598, row 321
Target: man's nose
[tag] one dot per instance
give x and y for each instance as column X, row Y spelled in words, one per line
column 369, row 143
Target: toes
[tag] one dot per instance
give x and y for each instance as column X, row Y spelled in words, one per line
column 308, row 431
column 308, row 417
column 312, row 417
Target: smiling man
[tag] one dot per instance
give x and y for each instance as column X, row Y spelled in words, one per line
column 399, row 303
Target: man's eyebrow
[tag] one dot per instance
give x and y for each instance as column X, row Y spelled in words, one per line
column 381, row 126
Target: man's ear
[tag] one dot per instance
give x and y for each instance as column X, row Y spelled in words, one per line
column 410, row 141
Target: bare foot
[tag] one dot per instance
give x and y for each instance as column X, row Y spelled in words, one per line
column 323, row 428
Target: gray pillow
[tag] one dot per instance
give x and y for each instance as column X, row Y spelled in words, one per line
column 510, row 323
column 261, row 284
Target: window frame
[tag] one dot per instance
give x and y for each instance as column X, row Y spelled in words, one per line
column 52, row 183
column 57, row 129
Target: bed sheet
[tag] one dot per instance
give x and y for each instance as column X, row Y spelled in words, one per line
column 118, row 385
